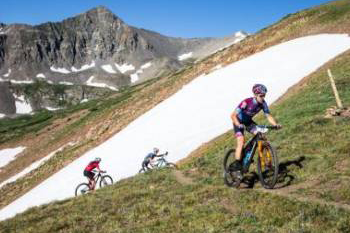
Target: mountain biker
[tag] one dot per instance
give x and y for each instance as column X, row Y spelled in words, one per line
column 150, row 157
column 242, row 119
column 90, row 174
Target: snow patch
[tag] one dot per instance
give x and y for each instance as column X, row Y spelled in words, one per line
column 7, row 155
column 8, row 73
column 240, row 34
column 185, row 56
column 95, row 84
column 34, row 165
column 84, row 100
column 135, row 76
column 2, row 115
column 52, row 109
column 201, row 114
column 66, row 83
column 145, row 66
column 40, row 75
column 124, row 67
column 21, row 82
column 84, row 67
column 60, row 70
column 22, row 107
column 109, row 69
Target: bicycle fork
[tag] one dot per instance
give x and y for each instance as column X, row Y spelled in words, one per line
column 264, row 159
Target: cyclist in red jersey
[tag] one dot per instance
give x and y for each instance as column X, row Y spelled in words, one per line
column 90, row 174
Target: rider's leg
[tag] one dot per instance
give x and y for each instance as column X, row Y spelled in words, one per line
column 93, row 184
column 146, row 165
column 237, row 165
column 239, row 134
column 90, row 183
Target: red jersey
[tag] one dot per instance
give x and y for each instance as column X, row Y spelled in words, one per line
column 92, row 165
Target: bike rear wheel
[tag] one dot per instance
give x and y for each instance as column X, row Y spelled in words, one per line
column 267, row 166
column 142, row 170
column 230, row 179
column 82, row 189
column 105, row 181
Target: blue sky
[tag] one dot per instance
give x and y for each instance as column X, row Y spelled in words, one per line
column 178, row 18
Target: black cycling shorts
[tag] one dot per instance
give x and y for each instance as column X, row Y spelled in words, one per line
column 250, row 127
column 89, row 175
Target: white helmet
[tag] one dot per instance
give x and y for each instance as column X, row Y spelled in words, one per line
column 155, row 150
column 98, row 159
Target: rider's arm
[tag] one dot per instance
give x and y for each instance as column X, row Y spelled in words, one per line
column 271, row 119
column 235, row 119
column 162, row 154
column 237, row 111
column 268, row 115
column 98, row 168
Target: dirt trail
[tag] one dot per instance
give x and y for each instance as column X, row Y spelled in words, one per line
column 288, row 192
column 304, row 198
column 181, row 178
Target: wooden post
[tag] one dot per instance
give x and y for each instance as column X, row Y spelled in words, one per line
column 339, row 104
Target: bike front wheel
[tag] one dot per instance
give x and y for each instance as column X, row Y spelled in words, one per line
column 230, row 179
column 267, row 166
column 82, row 189
column 105, row 181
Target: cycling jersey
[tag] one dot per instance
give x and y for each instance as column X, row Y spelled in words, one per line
column 92, row 165
column 248, row 108
column 150, row 156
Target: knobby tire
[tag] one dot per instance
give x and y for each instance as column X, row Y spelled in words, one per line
column 268, row 177
column 229, row 178
column 82, row 189
column 105, row 181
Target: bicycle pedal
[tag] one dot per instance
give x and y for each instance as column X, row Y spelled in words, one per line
column 238, row 175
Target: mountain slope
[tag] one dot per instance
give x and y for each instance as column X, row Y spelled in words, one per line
column 318, row 217
column 199, row 113
column 96, row 43
column 96, row 49
column 159, row 203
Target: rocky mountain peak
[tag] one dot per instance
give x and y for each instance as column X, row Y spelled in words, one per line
column 95, row 48
column 100, row 15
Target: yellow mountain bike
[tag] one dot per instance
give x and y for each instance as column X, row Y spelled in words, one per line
column 267, row 165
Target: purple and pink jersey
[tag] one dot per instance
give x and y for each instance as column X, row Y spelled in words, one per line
column 248, row 108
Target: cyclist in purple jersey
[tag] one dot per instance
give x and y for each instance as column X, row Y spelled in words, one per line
column 242, row 118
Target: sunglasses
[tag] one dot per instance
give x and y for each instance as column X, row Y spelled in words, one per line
column 262, row 95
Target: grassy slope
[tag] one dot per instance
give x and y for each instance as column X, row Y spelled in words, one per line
column 158, row 203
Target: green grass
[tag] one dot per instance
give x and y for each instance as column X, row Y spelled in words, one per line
column 156, row 202
column 309, row 145
column 14, row 128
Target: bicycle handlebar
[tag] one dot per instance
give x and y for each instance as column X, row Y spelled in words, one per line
column 269, row 126
column 99, row 171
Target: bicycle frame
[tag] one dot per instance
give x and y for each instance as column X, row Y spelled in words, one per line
column 255, row 142
column 160, row 162
column 97, row 177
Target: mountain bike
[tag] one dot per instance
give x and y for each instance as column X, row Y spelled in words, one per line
column 84, row 188
column 267, row 165
column 159, row 163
